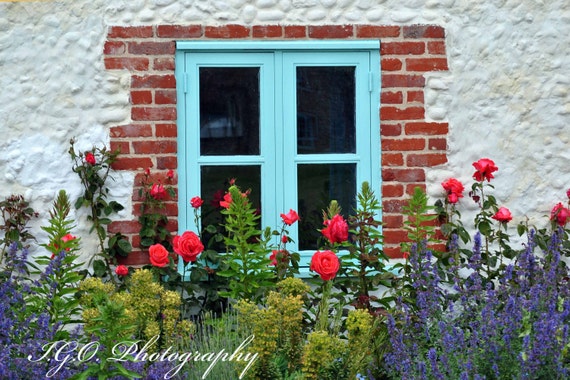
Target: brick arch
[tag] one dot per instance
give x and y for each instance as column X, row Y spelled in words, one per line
column 409, row 143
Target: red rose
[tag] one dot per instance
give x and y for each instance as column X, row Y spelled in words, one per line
column 90, row 158
column 454, row 190
column 121, row 270
column 326, row 264
column 503, row 215
column 290, row 218
column 281, row 254
column 158, row 192
column 158, row 255
column 170, row 174
column 188, row 246
column 227, row 201
column 147, row 171
column 336, row 229
column 196, row 202
column 485, row 168
column 560, row 214
column 284, row 239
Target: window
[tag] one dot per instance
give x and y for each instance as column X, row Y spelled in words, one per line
column 297, row 122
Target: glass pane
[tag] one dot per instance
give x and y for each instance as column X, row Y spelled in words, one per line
column 229, row 111
column 326, row 110
column 318, row 184
column 215, row 183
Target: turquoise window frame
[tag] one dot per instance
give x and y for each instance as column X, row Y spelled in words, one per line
column 278, row 156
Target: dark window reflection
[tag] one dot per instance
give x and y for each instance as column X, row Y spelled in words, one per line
column 229, row 111
column 325, row 110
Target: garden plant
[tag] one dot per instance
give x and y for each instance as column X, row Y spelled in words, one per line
column 226, row 301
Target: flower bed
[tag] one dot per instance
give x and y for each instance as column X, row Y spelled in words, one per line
column 480, row 308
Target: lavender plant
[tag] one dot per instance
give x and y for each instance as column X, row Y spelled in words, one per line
column 516, row 327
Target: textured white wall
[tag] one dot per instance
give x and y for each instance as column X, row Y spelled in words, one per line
column 505, row 97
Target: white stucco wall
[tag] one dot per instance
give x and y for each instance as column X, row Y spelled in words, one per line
column 506, row 96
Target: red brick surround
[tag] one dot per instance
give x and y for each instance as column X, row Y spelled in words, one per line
column 409, row 143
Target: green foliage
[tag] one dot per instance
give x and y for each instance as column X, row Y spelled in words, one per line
column 16, row 213
column 247, row 253
column 60, row 272
column 93, row 168
column 323, row 357
column 107, row 332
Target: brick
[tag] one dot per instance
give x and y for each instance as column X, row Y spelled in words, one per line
column 424, row 31
column 409, row 113
column 395, row 236
column 114, row 48
column 411, row 188
column 132, row 163
column 135, row 258
column 426, row 128
column 426, row 64
column 126, row 63
column 130, row 32
column 426, row 160
column 391, row 64
column 166, row 130
column 152, row 48
column 436, row 47
column 227, row 31
column 393, row 206
column 267, row 31
column 393, row 252
column 400, row 145
column 331, row 31
column 389, row 97
column 165, row 97
column 377, row 31
column 403, row 175
column 437, row 144
column 402, row 48
column 131, row 130
column 166, row 162
column 415, row 96
column 392, row 159
column 125, row 227
column 390, row 129
column 392, row 221
column 295, row 31
column 121, row 146
column 179, row 31
column 153, row 81
column 154, row 147
column 153, row 113
column 141, row 97
column 163, row 64
column 401, row 80
column 392, row 191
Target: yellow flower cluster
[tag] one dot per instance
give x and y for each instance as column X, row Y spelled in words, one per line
column 320, row 351
column 151, row 309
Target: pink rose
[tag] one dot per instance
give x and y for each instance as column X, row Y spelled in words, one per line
column 503, row 215
column 158, row 192
column 158, row 255
column 560, row 214
column 121, row 270
column 170, row 174
column 336, row 229
column 485, row 167
column 196, row 202
column 290, row 218
column 90, row 158
column 454, row 190
column 188, row 246
column 326, row 264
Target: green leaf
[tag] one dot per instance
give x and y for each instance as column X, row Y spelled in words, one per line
column 485, row 228
column 99, row 268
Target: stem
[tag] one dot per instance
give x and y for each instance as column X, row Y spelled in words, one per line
column 323, row 313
